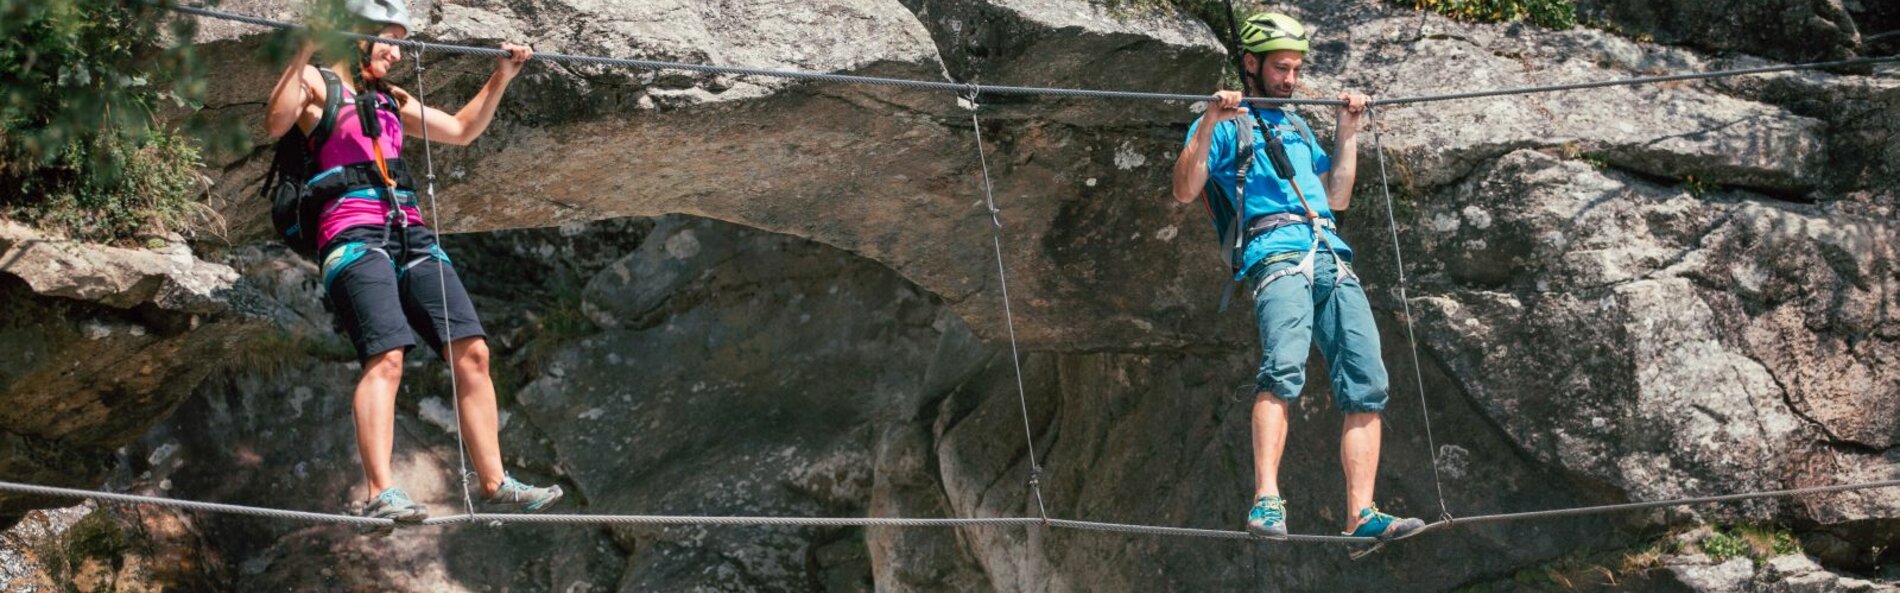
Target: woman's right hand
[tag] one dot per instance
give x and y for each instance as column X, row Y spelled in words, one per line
column 292, row 93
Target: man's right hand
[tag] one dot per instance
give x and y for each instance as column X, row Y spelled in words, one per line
column 1190, row 169
column 1224, row 106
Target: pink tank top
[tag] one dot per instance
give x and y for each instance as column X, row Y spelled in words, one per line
column 347, row 146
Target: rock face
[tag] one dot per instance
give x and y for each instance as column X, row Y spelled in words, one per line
column 1104, row 47
column 793, row 432
column 1782, row 574
column 1708, row 362
column 87, row 548
column 1792, row 30
column 750, row 297
column 101, row 343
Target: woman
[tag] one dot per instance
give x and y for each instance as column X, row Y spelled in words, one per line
column 382, row 269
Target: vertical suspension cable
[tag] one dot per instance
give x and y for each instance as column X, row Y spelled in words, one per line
column 1411, row 337
column 1009, row 319
column 448, row 344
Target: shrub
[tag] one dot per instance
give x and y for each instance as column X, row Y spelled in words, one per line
column 82, row 149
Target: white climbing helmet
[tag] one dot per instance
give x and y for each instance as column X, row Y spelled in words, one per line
column 388, row 12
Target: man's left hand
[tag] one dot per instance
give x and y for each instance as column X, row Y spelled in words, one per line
column 1354, row 108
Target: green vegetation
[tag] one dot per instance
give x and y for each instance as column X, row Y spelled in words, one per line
column 82, row 149
column 1755, row 542
column 1619, row 570
column 562, row 322
column 1611, row 27
column 1723, row 546
column 1699, row 187
column 565, row 319
column 1554, row 14
column 1577, row 152
column 109, row 190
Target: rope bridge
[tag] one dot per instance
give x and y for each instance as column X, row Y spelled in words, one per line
column 972, row 92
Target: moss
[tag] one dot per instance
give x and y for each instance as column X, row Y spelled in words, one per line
column 272, row 353
column 1629, row 568
column 97, row 539
column 562, row 322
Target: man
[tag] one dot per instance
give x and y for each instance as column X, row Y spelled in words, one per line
column 1298, row 268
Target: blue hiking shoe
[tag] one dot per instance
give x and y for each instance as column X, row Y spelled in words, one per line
column 394, row 504
column 1267, row 518
column 1384, row 527
column 516, row 497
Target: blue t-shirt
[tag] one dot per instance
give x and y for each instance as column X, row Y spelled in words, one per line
column 1266, row 192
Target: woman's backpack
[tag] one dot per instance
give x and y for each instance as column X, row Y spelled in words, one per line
column 293, row 211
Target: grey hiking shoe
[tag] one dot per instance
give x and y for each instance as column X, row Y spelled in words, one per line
column 395, row 504
column 516, row 497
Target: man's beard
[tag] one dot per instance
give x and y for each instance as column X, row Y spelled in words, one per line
column 1262, row 89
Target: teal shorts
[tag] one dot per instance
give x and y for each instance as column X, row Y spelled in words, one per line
column 1294, row 316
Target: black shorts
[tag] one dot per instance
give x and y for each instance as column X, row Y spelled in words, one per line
column 385, row 293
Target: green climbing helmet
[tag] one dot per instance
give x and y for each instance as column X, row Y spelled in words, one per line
column 1271, row 31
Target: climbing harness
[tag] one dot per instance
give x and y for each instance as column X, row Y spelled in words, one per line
column 382, row 179
column 1225, row 212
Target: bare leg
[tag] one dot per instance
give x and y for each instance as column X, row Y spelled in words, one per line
column 375, row 408
column 481, row 425
column 1359, row 455
column 1269, row 441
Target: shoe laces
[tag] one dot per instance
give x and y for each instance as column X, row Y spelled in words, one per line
column 510, row 487
column 1270, row 508
column 1371, row 515
column 394, row 497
